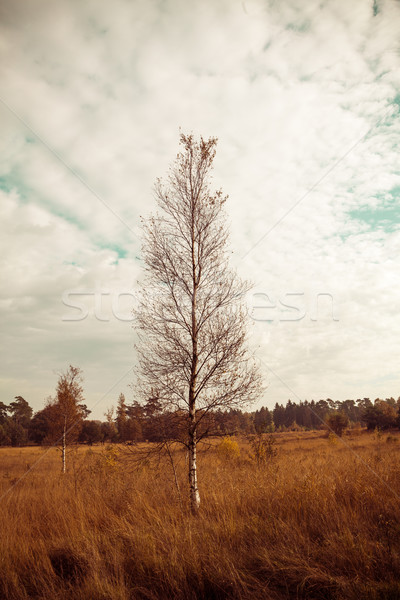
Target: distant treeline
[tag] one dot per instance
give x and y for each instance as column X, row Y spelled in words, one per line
column 136, row 422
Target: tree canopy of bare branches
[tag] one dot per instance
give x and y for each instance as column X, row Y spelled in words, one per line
column 191, row 318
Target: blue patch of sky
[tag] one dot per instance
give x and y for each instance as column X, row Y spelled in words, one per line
column 117, row 248
column 72, row 263
column 300, row 26
column 396, row 100
column 385, row 216
column 6, row 185
column 25, row 194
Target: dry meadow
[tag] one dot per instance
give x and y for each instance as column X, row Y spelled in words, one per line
column 319, row 518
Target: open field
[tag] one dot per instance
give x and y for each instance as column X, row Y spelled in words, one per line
column 321, row 519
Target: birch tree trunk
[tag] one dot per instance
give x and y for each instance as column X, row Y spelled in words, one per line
column 193, row 487
column 192, row 442
column 64, row 445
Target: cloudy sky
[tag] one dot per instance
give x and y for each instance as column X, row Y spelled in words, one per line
column 304, row 97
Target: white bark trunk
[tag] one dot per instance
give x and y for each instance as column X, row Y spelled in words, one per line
column 194, row 490
column 64, row 446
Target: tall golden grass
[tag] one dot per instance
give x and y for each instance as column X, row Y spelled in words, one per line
column 318, row 520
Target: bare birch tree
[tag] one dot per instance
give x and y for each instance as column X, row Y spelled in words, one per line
column 191, row 319
column 66, row 411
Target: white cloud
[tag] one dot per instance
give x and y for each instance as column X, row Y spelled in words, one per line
column 288, row 88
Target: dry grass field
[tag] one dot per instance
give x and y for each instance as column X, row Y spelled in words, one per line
column 320, row 519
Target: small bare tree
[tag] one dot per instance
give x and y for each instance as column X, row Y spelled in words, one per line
column 191, row 319
column 66, row 411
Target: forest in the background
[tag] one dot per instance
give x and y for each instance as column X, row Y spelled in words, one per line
column 134, row 422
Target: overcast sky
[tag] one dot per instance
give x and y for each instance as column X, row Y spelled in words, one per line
column 304, row 97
